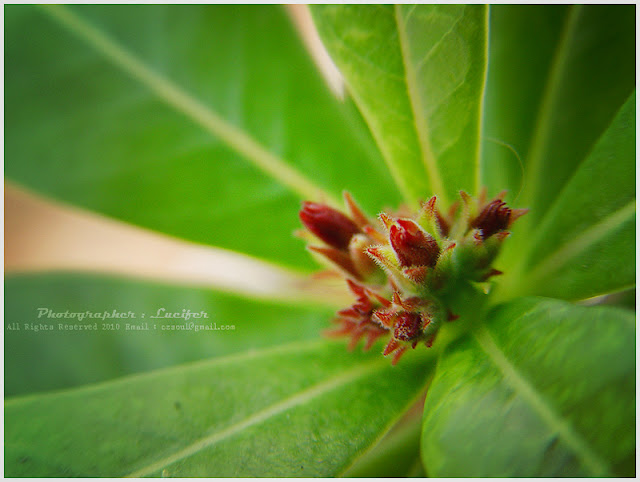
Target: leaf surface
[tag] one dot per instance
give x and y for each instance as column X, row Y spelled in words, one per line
column 417, row 74
column 584, row 246
column 522, row 42
column 295, row 410
column 209, row 123
column 591, row 76
column 545, row 389
column 396, row 455
column 41, row 356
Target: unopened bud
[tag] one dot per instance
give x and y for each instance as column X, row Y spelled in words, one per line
column 412, row 245
column 331, row 226
column 408, row 326
column 494, row 218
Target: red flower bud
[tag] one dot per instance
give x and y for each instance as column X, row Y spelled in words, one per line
column 423, row 258
column 331, row 226
column 494, row 217
column 413, row 246
column 407, row 326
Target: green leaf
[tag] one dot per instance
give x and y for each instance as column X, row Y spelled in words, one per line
column 522, row 41
column 396, row 455
column 583, row 247
column 592, row 75
column 417, row 74
column 545, row 388
column 205, row 122
column 52, row 359
column 297, row 410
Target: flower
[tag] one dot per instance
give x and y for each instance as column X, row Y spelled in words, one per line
column 331, row 226
column 412, row 245
column 412, row 301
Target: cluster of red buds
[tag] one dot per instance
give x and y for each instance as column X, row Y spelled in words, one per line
column 402, row 269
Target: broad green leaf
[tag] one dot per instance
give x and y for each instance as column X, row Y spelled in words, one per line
column 522, row 41
column 417, row 74
column 305, row 409
column 397, row 454
column 52, row 359
column 205, row 122
column 585, row 244
column 545, row 388
column 592, row 75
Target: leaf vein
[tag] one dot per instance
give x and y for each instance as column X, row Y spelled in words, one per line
column 543, row 129
column 297, row 346
column 583, row 241
column 434, row 47
column 358, row 56
column 419, row 120
column 291, row 402
column 481, row 107
column 183, row 102
column 590, row 459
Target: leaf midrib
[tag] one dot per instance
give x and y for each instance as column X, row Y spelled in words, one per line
column 564, row 254
column 483, row 99
column 399, row 178
column 561, row 255
column 383, row 433
column 540, row 137
column 587, row 456
column 189, row 106
column 419, row 120
column 263, row 415
column 584, row 240
column 296, row 346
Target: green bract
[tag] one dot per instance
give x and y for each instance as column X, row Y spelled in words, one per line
column 212, row 124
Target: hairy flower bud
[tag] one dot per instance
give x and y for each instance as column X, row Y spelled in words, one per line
column 331, row 226
column 494, row 217
column 407, row 326
column 408, row 271
column 412, row 245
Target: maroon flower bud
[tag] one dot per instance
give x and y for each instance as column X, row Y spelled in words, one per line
column 413, row 246
column 494, row 217
column 331, row 226
column 422, row 258
column 407, row 326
